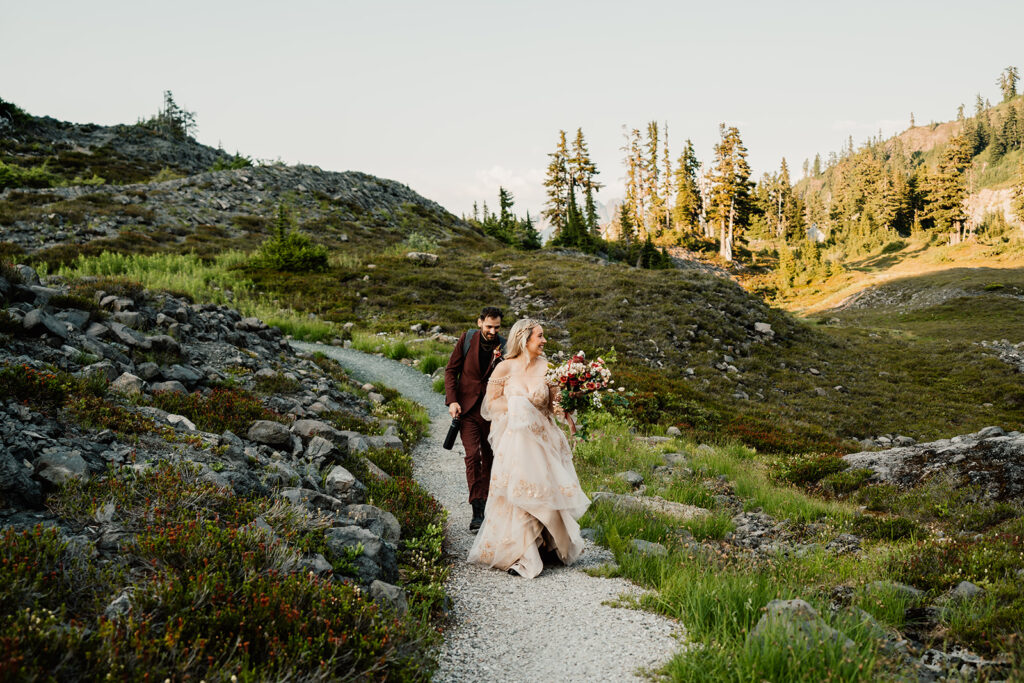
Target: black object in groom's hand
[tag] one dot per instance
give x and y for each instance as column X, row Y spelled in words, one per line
column 453, row 431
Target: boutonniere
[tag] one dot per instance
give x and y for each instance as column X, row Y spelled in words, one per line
column 497, row 352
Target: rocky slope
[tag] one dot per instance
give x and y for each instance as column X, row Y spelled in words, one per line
column 136, row 349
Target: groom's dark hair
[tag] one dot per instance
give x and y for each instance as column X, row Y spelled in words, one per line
column 491, row 312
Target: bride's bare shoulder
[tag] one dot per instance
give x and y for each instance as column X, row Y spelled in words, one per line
column 502, row 369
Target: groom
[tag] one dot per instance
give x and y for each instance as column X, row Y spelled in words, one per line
column 465, row 383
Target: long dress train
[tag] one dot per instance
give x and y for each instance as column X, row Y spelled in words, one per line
column 535, row 496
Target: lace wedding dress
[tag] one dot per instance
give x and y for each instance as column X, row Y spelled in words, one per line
column 535, row 496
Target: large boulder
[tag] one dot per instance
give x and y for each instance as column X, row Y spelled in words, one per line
column 16, row 486
column 389, row 594
column 378, row 559
column 127, row 383
column 56, row 468
column 307, row 429
column 990, row 458
column 270, row 433
column 380, row 522
column 655, row 504
column 341, row 484
column 797, row 622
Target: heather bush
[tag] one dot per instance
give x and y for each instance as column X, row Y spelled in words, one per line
column 408, row 501
column 212, row 596
column 223, row 409
column 393, row 461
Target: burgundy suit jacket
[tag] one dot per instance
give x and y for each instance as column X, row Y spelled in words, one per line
column 464, row 380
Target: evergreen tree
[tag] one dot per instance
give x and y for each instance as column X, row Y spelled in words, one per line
column 506, row 219
column 687, row 209
column 627, row 232
column 816, row 169
column 557, row 183
column 946, row 188
column 651, row 187
column 526, row 235
column 1008, row 83
column 634, row 179
column 730, row 183
column 582, row 171
column 1010, row 131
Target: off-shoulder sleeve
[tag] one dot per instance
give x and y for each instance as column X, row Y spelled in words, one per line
column 495, row 404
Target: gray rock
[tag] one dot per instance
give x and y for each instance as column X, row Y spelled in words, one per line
column 379, row 552
column 375, row 397
column 176, row 420
column 904, row 441
column 270, row 433
column 185, row 374
column 28, row 274
column 704, row 448
column 380, row 522
column 287, row 475
column 673, row 431
column 60, row 467
column 423, row 258
column 764, row 328
column 342, row 485
column 989, row 432
column 16, row 484
column 966, row 590
column 129, row 337
column 843, row 544
column 648, row 547
column 800, row 624
column 634, row 479
column 375, row 472
column 389, row 594
column 385, row 441
column 132, row 319
column 38, row 321
column 316, row 564
column 128, row 383
column 119, row 607
column 166, row 343
column 320, row 448
column 308, row 429
column 74, row 317
column 97, row 330
column 104, row 367
column 312, row 500
column 172, row 386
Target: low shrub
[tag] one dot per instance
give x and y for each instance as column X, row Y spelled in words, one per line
column 216, row 599
column 806, row 471
column 428, row 364
column 223, row 409
column 277, row 384
column 289, row 250
column 846, row 481
column 395, row 462
column 409, row 502
column 37, row 387
column 886, row 528
column 93, row 412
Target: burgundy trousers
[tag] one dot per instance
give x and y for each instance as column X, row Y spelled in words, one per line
column 474, row 430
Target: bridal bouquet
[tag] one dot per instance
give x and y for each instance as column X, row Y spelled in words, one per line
column 579, row 382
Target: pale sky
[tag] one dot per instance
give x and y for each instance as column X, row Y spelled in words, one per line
column 455, row 98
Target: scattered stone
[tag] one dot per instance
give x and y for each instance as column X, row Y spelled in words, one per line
column 632, row 478
column 423, row 258
column 173, row 387
column 128, row 383
column 380, row 522
column 391, row 595
column 966, row 590
column 673, row 431
column 655, row 504
column 58, row 468
column 341, row 484
column 270, row 433
column 648, row 548
column 799, row 622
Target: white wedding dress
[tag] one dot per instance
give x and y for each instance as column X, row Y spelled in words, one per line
column 535, row 496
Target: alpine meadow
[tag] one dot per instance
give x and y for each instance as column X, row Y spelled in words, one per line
column 810, row 462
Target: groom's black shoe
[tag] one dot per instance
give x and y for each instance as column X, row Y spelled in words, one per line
column 478, row 514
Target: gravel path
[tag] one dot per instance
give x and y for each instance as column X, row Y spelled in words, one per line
column 554, row 627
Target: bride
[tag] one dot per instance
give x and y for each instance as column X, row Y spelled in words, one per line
column 535, row 496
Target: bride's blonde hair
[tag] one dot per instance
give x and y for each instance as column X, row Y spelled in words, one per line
column 518, row 336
